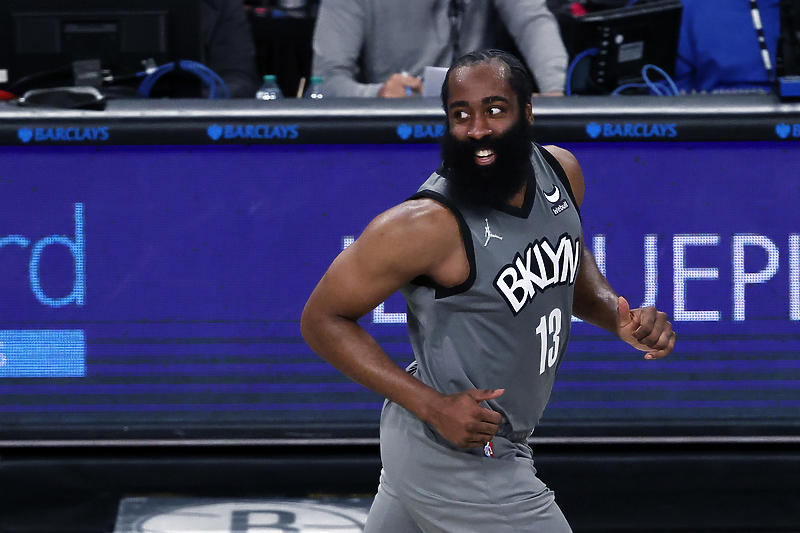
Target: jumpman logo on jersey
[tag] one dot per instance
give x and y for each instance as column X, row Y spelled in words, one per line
column 488, row 233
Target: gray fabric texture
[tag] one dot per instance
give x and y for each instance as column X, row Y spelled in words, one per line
column 429, row 488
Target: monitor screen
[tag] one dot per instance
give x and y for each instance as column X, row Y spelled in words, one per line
column 157, row 290
column 40, row 40
column 609, row 48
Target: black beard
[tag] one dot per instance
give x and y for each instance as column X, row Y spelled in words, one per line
column 493, row 184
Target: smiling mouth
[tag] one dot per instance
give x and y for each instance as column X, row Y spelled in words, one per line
column 485, row 156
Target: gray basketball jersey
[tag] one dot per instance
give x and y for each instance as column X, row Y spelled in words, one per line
column 508, row 325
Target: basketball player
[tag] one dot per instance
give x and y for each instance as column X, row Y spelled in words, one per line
column 489, row 255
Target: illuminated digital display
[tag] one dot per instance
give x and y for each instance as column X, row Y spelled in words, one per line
column 161, row 287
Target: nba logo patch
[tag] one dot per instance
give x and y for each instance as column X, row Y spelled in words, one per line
column 488, row 450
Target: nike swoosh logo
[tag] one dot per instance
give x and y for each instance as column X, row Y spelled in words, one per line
column 554, row 196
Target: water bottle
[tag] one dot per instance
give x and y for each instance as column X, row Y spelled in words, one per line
column 269, row 89
column 315, row 88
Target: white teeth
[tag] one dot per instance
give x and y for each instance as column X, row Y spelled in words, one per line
column 483, row 153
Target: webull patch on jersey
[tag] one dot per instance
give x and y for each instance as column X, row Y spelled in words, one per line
column 558, row 209
column 540, row 267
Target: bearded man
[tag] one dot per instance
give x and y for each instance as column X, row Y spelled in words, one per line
column 489, row 255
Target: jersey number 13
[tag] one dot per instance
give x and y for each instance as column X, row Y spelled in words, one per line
column 549, row 331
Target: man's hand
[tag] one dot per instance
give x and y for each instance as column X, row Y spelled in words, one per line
column 463, row 421
column 645, row 329
column 400, row 85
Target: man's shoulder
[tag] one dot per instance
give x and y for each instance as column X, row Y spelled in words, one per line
column 423, row 224
column 572, row 169
column 564, row 156
column 419, row 213
column 417, row 237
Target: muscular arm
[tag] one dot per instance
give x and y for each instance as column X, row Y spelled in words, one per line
column 536, row 34
column 419, row 237
column 596, row 302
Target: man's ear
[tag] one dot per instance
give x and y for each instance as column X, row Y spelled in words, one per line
column 529, row 113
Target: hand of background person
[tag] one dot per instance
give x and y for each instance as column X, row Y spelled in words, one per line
column 396, row 86
column 646, row 329
column 461, row 419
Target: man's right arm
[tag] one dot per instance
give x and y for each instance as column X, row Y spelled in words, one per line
column 419, row 237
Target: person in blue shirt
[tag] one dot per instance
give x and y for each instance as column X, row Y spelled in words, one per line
column 719, row 50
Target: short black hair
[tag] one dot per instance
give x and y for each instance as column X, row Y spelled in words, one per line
column 519, row 78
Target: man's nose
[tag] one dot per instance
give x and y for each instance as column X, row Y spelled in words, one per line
column 479, row 128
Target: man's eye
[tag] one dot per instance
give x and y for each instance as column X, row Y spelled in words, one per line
column 495, row 110
column 461, row 115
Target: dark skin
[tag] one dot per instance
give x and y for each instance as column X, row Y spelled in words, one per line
column 421, row 237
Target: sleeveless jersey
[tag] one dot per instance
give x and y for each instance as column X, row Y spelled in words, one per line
column 508, row 324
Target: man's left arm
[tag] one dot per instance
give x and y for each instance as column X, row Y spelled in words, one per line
column 596, row 302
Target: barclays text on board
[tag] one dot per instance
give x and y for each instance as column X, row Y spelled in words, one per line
column 253, row 131
column 788, row 131
column 639, row 131
column 63, row 134
column 658, row 131
column 631, row 131
column 420, row 131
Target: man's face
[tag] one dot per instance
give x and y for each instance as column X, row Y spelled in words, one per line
column 487, row 145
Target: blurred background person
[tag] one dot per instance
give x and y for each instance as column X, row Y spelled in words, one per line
column 228, row 46
column 381, row 47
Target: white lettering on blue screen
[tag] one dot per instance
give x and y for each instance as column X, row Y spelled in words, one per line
column 650, row 270
column 741, row 278
column 794, row 277
column 76, row 247
column 683, row 273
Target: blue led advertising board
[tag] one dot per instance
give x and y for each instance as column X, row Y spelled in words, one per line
column 161, row 287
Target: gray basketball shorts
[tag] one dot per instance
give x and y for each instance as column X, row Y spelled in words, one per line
column 428, row 485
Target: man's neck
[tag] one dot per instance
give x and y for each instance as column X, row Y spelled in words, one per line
column 519, row 199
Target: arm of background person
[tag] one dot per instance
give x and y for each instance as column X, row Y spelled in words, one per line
column 229, row 47
column 596, row 302
column 535, row 32
column 419, row 237
column 339, row 35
